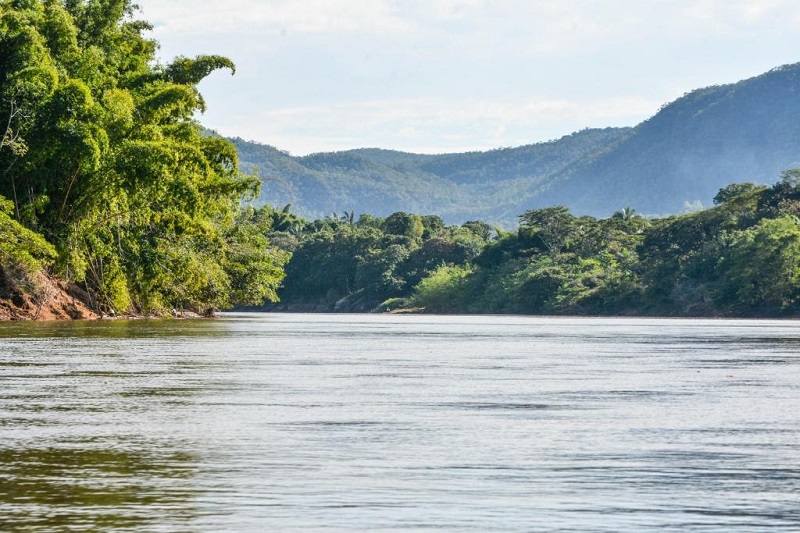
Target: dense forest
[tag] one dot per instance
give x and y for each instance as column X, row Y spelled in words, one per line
column 738, row 258
column 679, row 158
column 106, row 179
column 109, row 184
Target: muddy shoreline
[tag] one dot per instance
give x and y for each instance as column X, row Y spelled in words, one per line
column 58, row 300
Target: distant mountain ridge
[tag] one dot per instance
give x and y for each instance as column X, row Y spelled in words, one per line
column 708, row 138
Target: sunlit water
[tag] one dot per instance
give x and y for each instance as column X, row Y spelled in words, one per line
column 371, row 423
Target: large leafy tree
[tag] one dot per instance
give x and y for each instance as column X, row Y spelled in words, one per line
column 101, row 153
column 761, row 267
column 553, row 227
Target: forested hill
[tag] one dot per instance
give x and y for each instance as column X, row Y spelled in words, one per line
column 458, row 187
column 746, row 131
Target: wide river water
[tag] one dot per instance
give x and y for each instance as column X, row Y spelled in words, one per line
column 400, row 423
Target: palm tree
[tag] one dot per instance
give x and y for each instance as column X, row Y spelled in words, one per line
column 626, row 214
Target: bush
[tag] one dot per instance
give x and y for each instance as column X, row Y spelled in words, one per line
column 444, row 290
column 392, row 304
column 21, row 250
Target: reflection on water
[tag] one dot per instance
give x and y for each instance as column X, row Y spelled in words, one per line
column 84, row 414
column 110, row 329
column 92, row 488
column 287, row 422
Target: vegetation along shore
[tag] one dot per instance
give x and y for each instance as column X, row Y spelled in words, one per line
column 738, row 258
column 114, row 200
column 108, row 182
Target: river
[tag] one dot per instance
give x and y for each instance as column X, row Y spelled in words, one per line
column 281, row 422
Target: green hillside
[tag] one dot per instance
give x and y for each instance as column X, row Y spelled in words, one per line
column 485, row 185
column 746, row 131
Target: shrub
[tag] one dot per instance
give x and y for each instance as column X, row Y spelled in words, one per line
column 443, row 291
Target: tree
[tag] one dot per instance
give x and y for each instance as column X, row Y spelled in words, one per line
column 479, row 228
column 443, row 290
column 20, row 248
column 761, row 267
column 404, row 224
column 626, row 214
column 101, row 154
column 553, row 227
column 733, row 190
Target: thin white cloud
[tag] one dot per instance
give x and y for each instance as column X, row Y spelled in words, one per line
column 738, row 15
column 544, row 21
column 532, row 26
column 247, row 17
column 430, row 126
column 435, row 75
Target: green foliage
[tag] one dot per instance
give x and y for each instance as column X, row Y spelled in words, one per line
column 366, row 261
column 679, row 255
column 185, row 71
column 602, row 284
column 392, row 304
column 324, row 267
column 737, row 258
column 480, row 229
column 679, row 157
column 552, row 227
column 255, row 268
column 760, row 267
column 410, row 226
column 23, row 254
column 101, row 154
column 21, row 248
column 443, row 291
column 495, row 185
column 732, row 191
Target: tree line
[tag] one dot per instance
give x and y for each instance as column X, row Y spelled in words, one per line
column 738, row 258
column 108, row 181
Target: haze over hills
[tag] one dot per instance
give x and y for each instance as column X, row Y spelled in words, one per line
column 709, row 138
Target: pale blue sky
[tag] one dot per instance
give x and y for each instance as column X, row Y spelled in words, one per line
column 455, row 75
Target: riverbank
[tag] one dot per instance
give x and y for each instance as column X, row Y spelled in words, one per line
column 44, row 298
column 50, row 299
column 55, row 299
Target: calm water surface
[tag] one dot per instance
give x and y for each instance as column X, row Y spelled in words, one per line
column 400, row 423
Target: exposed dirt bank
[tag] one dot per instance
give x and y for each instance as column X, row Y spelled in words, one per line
column 47, row 299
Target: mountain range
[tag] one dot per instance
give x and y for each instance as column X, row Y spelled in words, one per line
column 674, row 161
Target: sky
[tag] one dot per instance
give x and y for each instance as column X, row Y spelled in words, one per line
column 436, row 76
